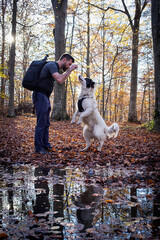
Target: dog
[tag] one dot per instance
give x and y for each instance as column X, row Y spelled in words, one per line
column 94, row 125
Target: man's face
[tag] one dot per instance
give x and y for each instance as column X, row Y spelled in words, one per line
column 66, row 64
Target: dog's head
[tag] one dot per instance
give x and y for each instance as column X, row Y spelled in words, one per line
column 86, row 82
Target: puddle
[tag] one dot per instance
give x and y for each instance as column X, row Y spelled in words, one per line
column 72, row 203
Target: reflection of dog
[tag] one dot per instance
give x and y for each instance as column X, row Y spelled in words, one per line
column 87, row 203
column 94, row 125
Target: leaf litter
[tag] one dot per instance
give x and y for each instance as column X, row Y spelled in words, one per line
column 113, row 194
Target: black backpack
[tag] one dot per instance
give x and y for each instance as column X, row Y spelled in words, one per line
column 31, row 76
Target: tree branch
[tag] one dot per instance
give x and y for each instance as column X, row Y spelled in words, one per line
column 26, row 25
column 105, row 9
column 144, row 5
column 93, row 5
column 127, row 13
column 115, row 9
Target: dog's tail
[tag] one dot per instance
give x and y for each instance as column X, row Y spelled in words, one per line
column 112, row 131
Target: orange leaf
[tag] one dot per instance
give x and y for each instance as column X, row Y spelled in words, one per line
column 150, row 181
column 109, row 201
column 3, row 235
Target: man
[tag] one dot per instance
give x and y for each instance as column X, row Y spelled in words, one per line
column 49, row 74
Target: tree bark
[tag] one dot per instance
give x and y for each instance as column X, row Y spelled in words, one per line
column 132, row 117
column 4, row 4
column 103, row 64
column 110, row 81
column 144, row 93
column 60, row 11
column 155, row 9
column 12, row 62
column 88, row 41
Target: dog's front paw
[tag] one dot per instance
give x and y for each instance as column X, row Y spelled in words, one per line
column 73, row 121
column 79, row 122
column 99, row 149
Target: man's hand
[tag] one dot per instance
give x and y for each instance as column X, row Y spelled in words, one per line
column 60, row 78
column 73, row 66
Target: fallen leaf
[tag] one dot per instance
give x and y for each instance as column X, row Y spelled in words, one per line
column 3, row 235
column 109, row 201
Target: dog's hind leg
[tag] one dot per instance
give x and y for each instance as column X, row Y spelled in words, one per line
column 88, row 144
column 87, row 134
column 100, row 146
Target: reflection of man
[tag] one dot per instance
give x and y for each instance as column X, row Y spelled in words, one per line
column 88, row 201
column 49, row 74
column 42, row 202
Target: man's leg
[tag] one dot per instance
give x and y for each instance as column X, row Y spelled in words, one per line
column 46, row 143
column 41, row 106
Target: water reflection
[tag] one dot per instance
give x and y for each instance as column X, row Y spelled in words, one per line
column 41, row 204
column 53, row 203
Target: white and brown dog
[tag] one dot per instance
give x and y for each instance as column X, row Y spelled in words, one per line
column 94, row 125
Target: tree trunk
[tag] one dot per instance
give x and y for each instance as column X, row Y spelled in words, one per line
column 103, row 67
column 88, row 41
column 144, row 93
column 60, row 11
column 12, row 62
column 2, row 94
column 156, row 50
column 70, row 51
column 26, row 45
column 132, row 117
column 110, row 81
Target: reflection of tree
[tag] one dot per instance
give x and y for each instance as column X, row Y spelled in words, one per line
column 133, row 199
column 42, row 202
column 1, row 205
column 115, row 211
column 58, row 191
column 156, row 213
column 10, row 192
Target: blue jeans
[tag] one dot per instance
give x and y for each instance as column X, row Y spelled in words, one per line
column 43, row 108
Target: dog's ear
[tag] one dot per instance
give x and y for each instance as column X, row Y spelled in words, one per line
column 89, row 83
column 92, row 84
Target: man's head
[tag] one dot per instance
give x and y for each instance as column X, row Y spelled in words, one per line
column 66, row 61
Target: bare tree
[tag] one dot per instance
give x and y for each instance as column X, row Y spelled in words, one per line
column 70, row 51
column 156, row 49
column 88, row 40
column 135, row 24
column 12, row 62
column 3, row 6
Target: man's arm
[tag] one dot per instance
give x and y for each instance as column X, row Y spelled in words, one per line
column 60, row 78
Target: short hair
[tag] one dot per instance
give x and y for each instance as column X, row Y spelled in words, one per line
column 67, row 56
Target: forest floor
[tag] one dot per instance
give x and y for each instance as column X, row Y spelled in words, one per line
column 121, row 200
column 134, row 145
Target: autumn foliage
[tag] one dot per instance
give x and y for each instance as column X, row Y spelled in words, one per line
column 134, row 145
